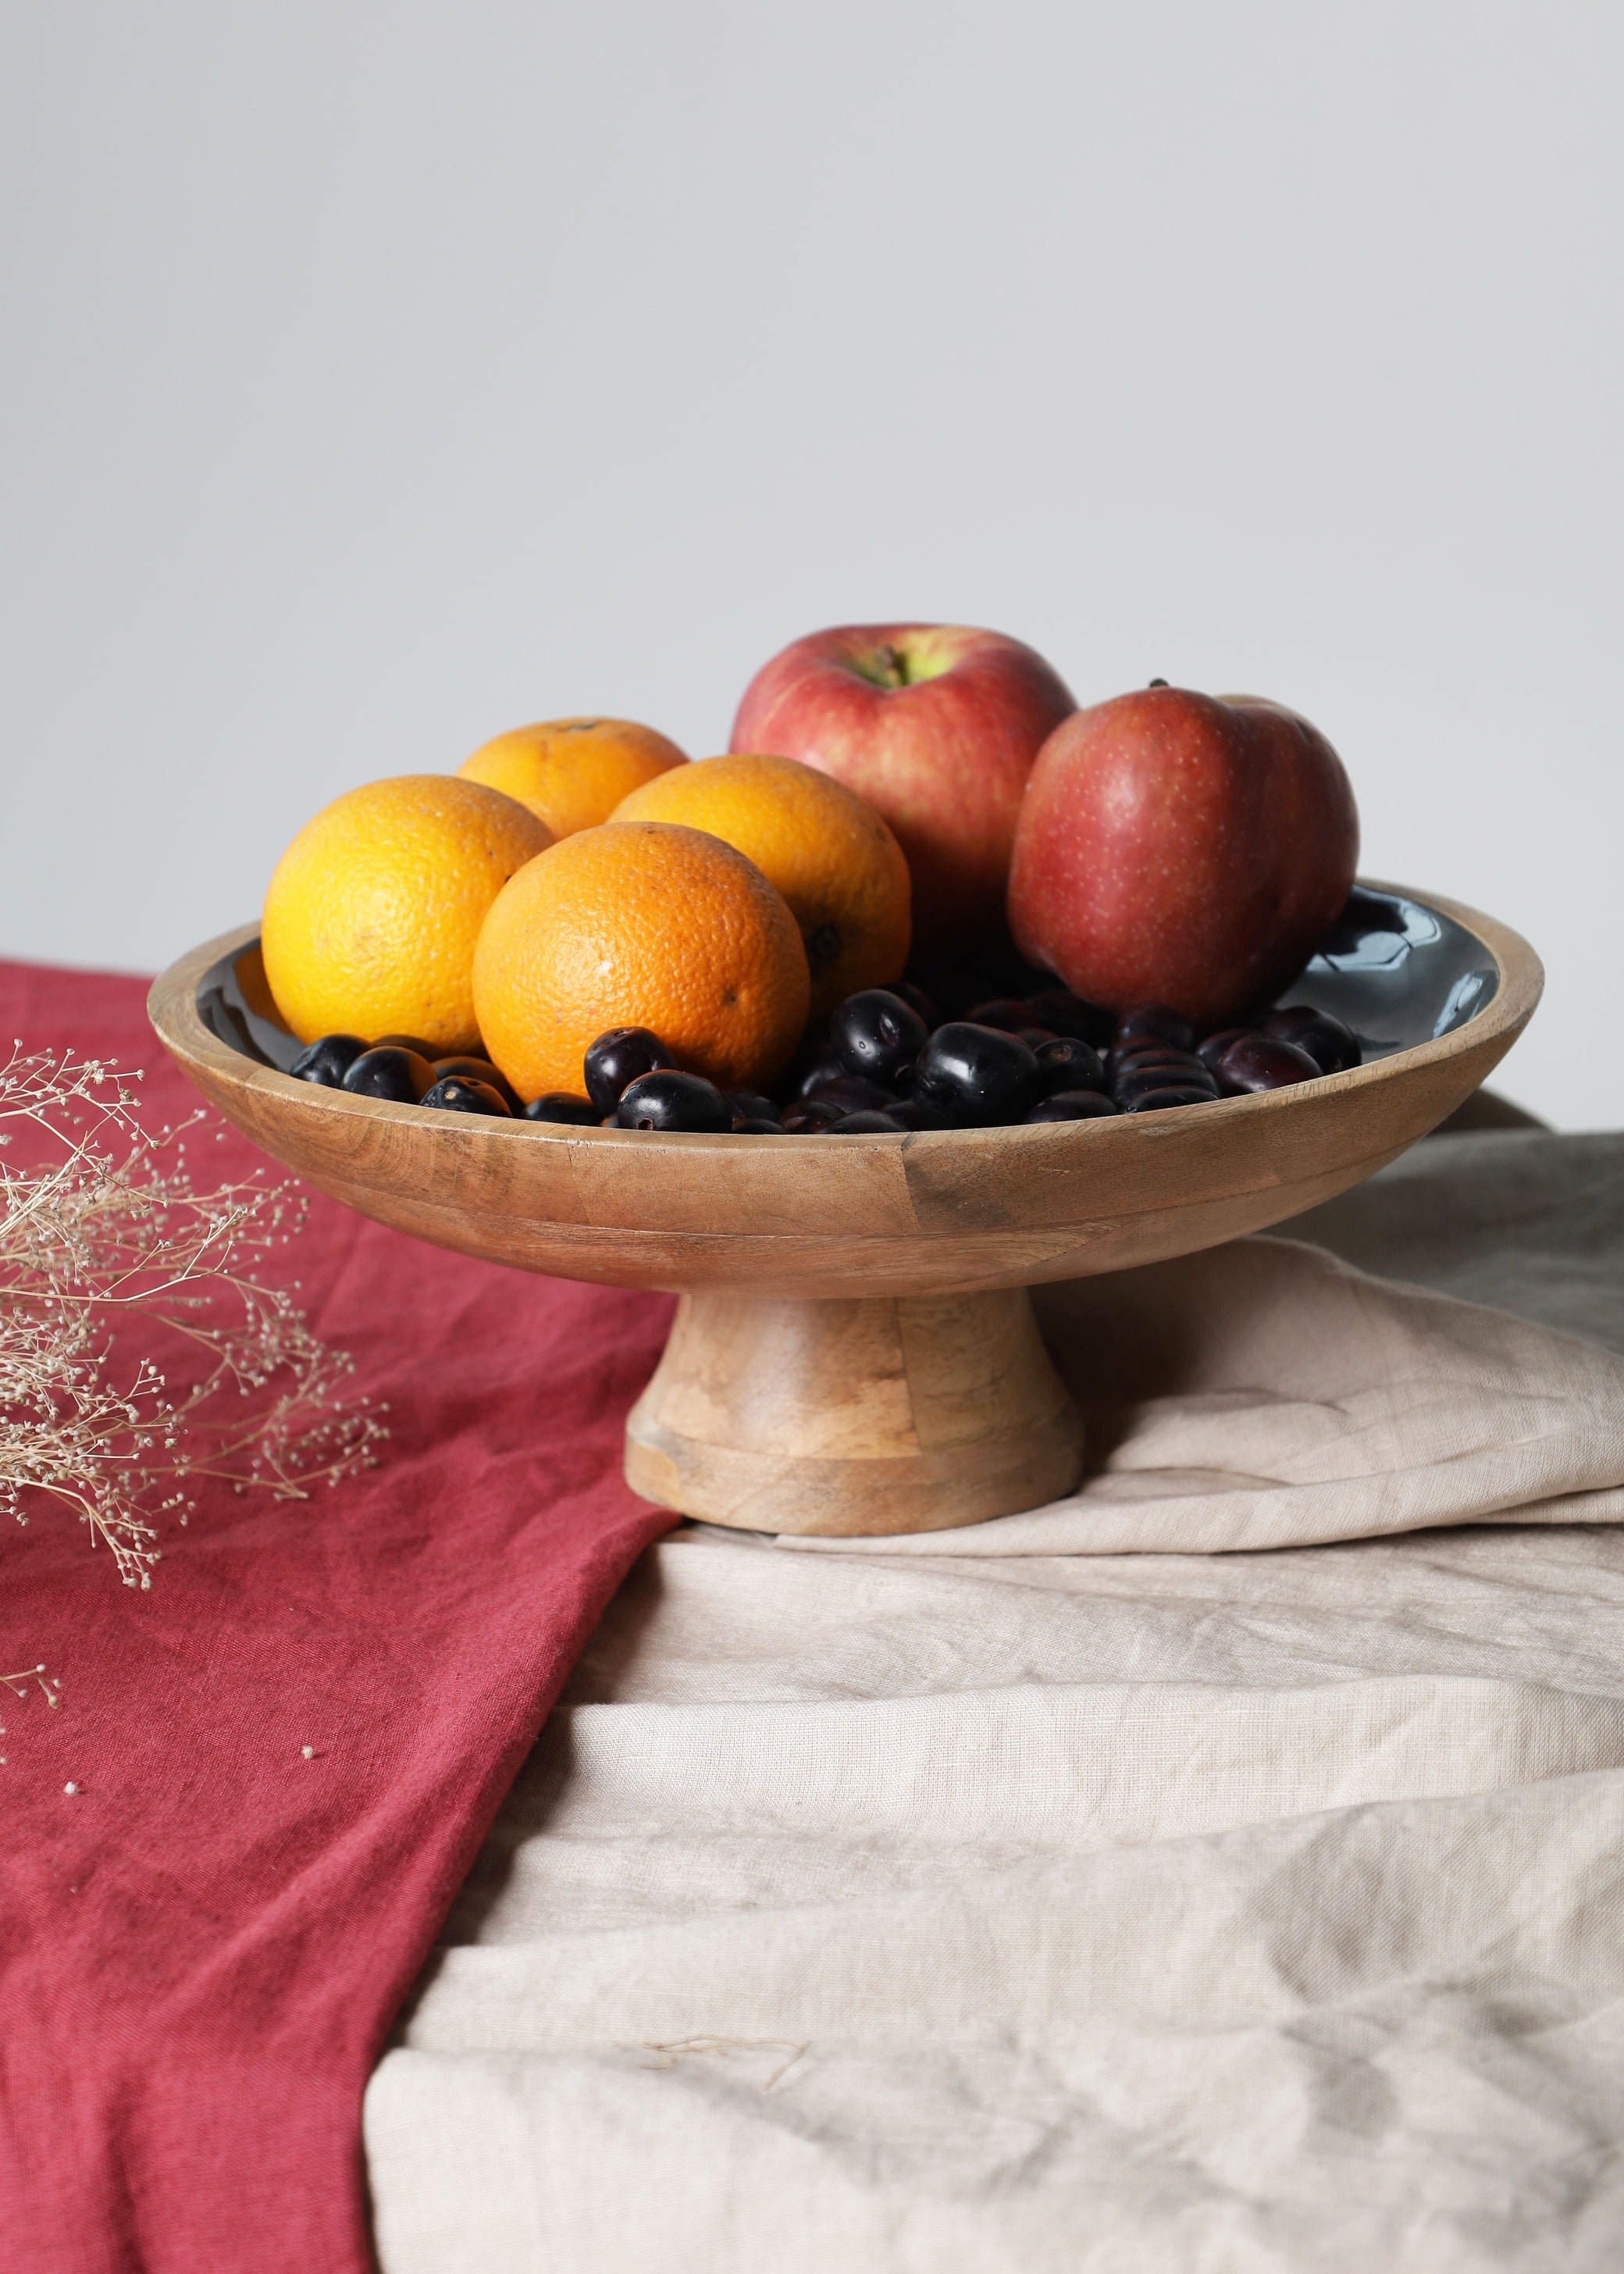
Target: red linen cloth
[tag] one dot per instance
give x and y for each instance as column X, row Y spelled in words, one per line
column 202, row 1950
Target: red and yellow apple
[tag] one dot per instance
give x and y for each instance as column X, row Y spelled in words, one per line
column 1182, row 848
column 937, row 726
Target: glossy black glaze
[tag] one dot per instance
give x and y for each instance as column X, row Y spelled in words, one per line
column 669, row 1100
column 618, row 1057
column 876, row 1034
column 388, row 1070
column 977, row 1076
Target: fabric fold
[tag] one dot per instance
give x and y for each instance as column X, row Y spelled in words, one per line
column 1270, row 1395
column 230, row 1845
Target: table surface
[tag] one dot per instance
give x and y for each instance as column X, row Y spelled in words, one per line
column 1028, row 1910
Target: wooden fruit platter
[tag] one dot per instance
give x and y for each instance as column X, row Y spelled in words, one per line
column 855, row 1351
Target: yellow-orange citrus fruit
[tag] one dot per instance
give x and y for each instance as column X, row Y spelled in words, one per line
column 573, row 772
column 639, row 924
column 374, row 910
column 830, row 855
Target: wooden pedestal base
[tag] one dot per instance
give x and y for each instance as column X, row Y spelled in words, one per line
column 905, row 1413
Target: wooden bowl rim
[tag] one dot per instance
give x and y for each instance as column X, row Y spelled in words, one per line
column 172, row 1007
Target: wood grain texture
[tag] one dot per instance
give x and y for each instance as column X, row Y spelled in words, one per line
column 933, row 1212
column 892, row 1414
column 812, row 1433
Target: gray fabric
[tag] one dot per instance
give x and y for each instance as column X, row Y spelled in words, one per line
column 880, row 1910
column 1529, row 1221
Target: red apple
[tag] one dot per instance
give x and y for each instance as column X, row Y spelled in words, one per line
column 1182, row 848
column 937, row 726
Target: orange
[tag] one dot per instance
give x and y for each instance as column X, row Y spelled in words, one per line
column 573, row 772
column 830, row 855
column 372, row 912
column 638, row 924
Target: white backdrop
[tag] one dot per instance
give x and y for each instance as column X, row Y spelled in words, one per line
column 379, row 377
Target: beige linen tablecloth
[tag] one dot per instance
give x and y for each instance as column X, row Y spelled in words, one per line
column 1012, row 1900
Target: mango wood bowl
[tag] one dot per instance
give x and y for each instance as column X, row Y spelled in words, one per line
column 855, row 1351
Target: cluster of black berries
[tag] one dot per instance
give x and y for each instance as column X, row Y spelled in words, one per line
column 889, row 1062
column 403, row 1069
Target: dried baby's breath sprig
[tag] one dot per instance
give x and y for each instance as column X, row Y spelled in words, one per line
column 139, row 1352
column 23, row 1684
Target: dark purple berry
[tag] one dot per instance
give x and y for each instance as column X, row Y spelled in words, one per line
column 821, row 1071
column 1066, row 1063
column 455, row 1093
column 913, row 1113
column 1147, row 1054
column 620, row 1057
column 978, row 1075
column 855, row 1093
column 327, row 1059
column 1073, row 1105
column 389, row 1071
column 759, row 1124
column 877, row 1034
column 666, row 1099
column 808, row 1116
column 1191, row 1075
column 560, row 1106
column 1333, row 1047
column 1160, row 1021
column 1213, row 1049
column 864, row 1125
column 481, row 1070
column 751, row 1105
column 1158, row 1101
column 1263, row 1062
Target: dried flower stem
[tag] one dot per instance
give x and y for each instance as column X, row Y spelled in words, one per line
column 108, row 1238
